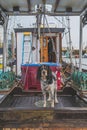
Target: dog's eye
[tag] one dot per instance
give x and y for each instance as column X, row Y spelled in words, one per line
column 45, row 67
column 41, row 68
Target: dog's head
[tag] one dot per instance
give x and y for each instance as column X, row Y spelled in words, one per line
column 44, row 71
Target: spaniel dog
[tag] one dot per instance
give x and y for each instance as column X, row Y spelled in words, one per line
column 47, row 79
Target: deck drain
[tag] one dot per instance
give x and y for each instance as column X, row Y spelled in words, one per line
column 41, row 102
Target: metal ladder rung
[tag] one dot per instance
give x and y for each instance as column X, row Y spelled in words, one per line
column 27, row 40
column 26, row 51
column 26, row 44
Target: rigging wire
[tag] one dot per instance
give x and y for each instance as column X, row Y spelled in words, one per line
column 42, row 58
column 50, row 36
column 66, row 33
column 31, row 51
column 68, row 38
column 62, row 73
column 54, row 49
column 61, row 22
column 28, row 62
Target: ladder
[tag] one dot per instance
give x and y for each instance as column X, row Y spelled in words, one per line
column 26, row 48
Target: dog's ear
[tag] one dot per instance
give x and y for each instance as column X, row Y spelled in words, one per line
column 39, row 73
column 49, row 72
column 49, row 77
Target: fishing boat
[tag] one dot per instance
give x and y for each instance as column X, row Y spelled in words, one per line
column 22, row 106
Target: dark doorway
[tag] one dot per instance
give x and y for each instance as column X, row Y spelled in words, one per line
column 51, row 49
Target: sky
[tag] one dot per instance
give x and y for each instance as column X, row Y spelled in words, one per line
column 27, row 21
column 75, row 27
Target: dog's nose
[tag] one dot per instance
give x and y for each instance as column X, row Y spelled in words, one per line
column 43, row 72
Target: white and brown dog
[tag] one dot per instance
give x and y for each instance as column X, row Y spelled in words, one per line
column 47, row 79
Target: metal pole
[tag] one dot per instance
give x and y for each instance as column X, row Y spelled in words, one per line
column 58, row 50
column 70, row 43
column 5, row 17
column 39, row 17
column 38, row 38
column 80, row 44
column 4, row 45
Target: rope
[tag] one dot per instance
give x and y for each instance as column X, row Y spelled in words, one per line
column 61, row 22
column 27, row 66
column 42, row 40
column 28, row 60
column 51, row 39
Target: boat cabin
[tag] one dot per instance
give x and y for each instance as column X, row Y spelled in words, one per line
column 29, row 51
column 31, row 54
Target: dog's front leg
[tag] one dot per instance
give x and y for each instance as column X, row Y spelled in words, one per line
column 52, row 100
column 49, row 98
column 44, row 100
column 56, row 100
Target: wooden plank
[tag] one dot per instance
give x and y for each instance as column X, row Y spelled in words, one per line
column 20, row 129
column 6, row 128
column 84, row 128
column 45, row 128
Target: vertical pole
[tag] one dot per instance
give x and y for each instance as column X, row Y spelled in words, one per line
column 4, row 45
column 58, row 50
column 60, row 44
column 39, row 16
column 38, row 38
column 16, row 50
column 12, row 40
column 80, row 45
column 70, row 43
column 38, row 41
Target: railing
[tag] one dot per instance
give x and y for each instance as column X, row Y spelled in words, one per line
column 80, row 79
column 6, row 80
column 75, row 62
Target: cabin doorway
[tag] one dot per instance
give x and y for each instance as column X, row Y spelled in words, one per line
column 47, row 51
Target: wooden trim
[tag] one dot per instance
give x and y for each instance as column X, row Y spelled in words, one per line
column 29, row 5
column 41, row 128
column 56, row 5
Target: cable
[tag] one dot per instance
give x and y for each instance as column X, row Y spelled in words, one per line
column 61, row 22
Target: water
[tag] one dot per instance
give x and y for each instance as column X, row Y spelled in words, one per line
column 76, row 62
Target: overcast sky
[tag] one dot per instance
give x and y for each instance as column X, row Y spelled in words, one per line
column 74, row 27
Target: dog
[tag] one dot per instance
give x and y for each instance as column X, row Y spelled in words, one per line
column 48, row 82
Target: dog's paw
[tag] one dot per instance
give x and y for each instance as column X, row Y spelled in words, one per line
column 52, row 104
column 56, row 101
column 49, row 99
column 44, row 105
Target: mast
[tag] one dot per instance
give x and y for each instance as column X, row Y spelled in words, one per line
column 80, row 44
column 70, row 43
column 39, row 16
column 5, row 17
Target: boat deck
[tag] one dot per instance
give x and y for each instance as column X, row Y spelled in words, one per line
column 20, row 108
column 33, row 101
